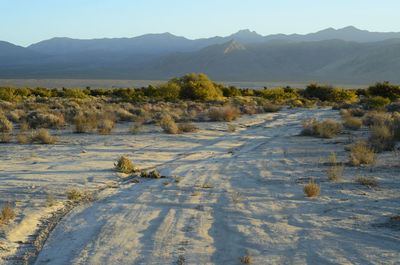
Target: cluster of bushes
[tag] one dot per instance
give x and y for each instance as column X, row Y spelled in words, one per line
column 199, row 87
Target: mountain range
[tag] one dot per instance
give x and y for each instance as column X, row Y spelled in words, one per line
column 346, row 55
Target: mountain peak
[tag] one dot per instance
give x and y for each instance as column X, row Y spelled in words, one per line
column 234, row 46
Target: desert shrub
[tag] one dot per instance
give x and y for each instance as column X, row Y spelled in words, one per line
column 268, row 107
column 8, row 94
column 38, row 119
column 246, row 259
column 7, row 213
column 357, row 112
column 312, row 189
column 278, row 94
column 72, row 93
column 381, row 138
column 385, row 90
column 41, row 92
column 135, row 128
column 15, row 115
column 50, row 200
column 168, row 91
column 225, row 113
column 335, row 173
column 197, row 87
column 84, row 123
column 22, row 138
column 5, row 137
column 366, row 181
column 341, row 95
column 42, row 136
column 376, row 102
column 352, row 123
column 105, row 126
column 186, row 127
column 231, row 91
column 324, row 129
column 5, row 124
column 396, row 125
column 376, row 118
column 152, row 174
column 168, row 124
column 360, row 154
column 125, row 165
column 313, row 90
column 75, row 195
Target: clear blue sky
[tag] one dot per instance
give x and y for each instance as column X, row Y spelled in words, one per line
column 24, row 22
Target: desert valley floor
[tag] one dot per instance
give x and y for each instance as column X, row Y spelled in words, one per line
column 237, row 192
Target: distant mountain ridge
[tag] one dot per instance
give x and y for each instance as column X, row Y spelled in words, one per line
column 329, row 55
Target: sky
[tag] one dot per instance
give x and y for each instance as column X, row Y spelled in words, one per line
column 24, row 22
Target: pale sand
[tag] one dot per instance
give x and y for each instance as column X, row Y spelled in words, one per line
column 150, row 223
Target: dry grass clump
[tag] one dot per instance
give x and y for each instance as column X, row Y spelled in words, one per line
column 125, row 165
column 75, row 195
column 225, row 113
column 84, row 123
column 5, row 137
column 381, row 138
column 15, row 115
column 7, row 213
column 312, row 189
column 367, row 181
column 40, row 119
column 325, row 129
column 186, row 127
column 335, row 172
column 352, row 123
column 105, row 126
column 168, row 124
column 377, row 118
column 6, row 126
column 246, row 259
column 42, row 136
column 135, row 128
column 360, row 154
column 152, row 174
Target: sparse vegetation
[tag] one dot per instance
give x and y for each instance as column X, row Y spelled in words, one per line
column 50, row 200
column 42, row 136
column 74, row 195
column 312, row 189
column 225, row 113
column 352, row 123
column 324, row 129
column 152, row 174
column 246, row 259
column 366, row 181
column 236, row 197
column 7, row 214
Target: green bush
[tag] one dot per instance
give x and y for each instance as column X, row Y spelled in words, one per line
column 279, row 94
column 377, row 102
column 385, row 90
column 197, row 87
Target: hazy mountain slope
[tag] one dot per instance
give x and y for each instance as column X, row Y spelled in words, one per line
column 167, row 43
column 278, row 60
column 348, row 33
column 13, row 54
column 377, row 62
